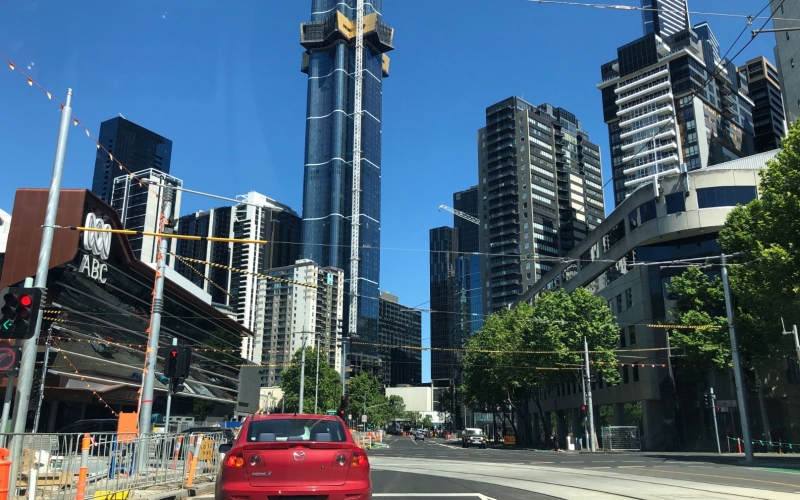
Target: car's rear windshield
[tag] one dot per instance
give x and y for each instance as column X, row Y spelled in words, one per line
column 474, row 432
column 296, row 429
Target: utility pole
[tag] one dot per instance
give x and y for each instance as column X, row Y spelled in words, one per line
column 151, row 355
column 714, row 409
column 169, row 395
column 355, row 216
column 316, row 385
column 31, row 346
column 40, row 397
column 302, row 373
column 737, row 367
column 589, row 408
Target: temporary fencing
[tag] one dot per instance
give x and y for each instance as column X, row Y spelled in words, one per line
column 103, row 466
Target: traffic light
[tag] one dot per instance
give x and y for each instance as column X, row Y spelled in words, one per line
column 583, row 411
column 19, row 308
column 342, row 408
column 707, row 400
column 391, row 402
column 719, row 409
column 177, row 361
column 177, row 384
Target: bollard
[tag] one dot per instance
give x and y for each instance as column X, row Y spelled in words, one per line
column 177, row 451
column 193, row 465
column 739, row 443
column 33, row 478
column 5, row 466
column 80, row 490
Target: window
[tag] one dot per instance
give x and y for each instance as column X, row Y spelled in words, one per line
column 628, row 298
column 310, row 429
column 622, row 337
column 635, row 373
column 632, row 334
column 676, row 202
column 625, row 379
column 647, row 211
column 725, row 196
column 619, row 303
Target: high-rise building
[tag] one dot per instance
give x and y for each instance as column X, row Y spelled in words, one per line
column 217, row 222
column 765, row 91
column 443, row 248
column 664, row 17
column 138, row 201
column 787, row 54
column 5, row 227
column 137, row 148
column 540, row 194
column 304, row 303
column 468, row 301
column 401, row 328
column 656, row 123
column 329, row 62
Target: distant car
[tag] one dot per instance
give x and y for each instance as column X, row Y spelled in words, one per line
column 473, row 437
column 293, row 456
column 419, row 435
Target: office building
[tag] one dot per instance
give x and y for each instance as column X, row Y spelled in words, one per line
column 299, row 304
column 664, row 17
column 540, row 194
column 765, row 91
column 401, row 339
column 443, row 246
column 5, row 227
column 787, row 54
column 656, row 123
column 139, row 203
column 135, row 147
column 468, row 301
column 329, row 59
column 682, row 222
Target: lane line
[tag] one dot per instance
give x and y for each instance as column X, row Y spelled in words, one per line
column 597, row 467
column 726, row 477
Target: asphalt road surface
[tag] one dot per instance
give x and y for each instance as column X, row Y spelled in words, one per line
column 434, row 468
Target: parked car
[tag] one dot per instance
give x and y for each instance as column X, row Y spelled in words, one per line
column 473, row 437
column 297, row 456
column 420, row 434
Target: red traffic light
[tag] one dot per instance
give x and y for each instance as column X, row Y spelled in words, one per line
column 583, row 408
column 25, row 300
column 173, row 353
column 719, row 408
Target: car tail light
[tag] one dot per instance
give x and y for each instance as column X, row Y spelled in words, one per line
column 235, row 460
column 359, row 460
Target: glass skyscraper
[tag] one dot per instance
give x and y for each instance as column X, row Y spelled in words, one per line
column 665, row 17
column 329, row 62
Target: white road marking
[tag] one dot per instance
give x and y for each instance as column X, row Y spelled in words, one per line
column 433, row 495
column 415, row 442
column 597, row 467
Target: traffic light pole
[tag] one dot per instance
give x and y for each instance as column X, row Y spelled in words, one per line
column 714, row 409
column 589, row 408
column 41, row 384
column 31, row 346
column 302, row 374
column 169, row 395
column 151, row 355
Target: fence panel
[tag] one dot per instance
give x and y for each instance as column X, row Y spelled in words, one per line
column 621, row 438
column 51, row 463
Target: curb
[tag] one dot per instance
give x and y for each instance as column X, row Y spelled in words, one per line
column 203, row 489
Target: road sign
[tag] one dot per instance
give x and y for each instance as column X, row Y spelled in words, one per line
column 330, row 412
column 350, row 417
column 363, row 419
column 9, row 359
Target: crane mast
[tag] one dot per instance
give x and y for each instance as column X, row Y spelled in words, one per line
column 355, row 219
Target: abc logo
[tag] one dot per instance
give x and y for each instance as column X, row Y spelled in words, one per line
column 97, row 243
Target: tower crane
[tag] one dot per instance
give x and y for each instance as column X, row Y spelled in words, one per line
column 459, row 213
column 355, row 219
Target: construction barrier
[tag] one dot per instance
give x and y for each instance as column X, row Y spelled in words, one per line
column 104, row 466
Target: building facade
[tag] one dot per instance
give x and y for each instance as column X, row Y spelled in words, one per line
column 540, row 194
column 681, row 222
column 664, row 17
column 468, row 313
column 329, row 62
column 401, row 340
column 659, row 119
column 139, row 205
column 787, row 55
column 137, row 148
column 443, row 246
column 764, row 87
column 298, row 304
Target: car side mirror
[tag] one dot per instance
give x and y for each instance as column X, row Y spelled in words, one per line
column 225, row 447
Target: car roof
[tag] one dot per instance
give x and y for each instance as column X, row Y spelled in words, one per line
column 293, row 416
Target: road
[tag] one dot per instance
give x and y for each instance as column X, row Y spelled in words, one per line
column 437, row 469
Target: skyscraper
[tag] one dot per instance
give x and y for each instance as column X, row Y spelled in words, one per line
column 329, row 62
column 765, row 91
column 400, row 327
column 139, row 205
column 443, row 246
column 540, row 194
column 134, row 146
column 467, row 287
column 656, row 122
column 664, row 17
column 787, row 55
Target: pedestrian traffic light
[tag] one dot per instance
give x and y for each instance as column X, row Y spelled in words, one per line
column 177, row 361
column 342, row 408
column 177, row 384
column 583, row 411
column 391, row 402
column 707, row 400
column 19, row 308
column 719, row 409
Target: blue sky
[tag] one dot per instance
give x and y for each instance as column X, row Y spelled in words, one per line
column 222, row 80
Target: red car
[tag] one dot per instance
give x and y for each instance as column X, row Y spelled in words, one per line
column 301, row 457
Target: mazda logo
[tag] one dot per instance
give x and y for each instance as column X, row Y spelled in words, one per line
column 97, row 243
column 299, row 456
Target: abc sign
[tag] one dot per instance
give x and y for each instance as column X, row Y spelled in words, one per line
column 96, row 242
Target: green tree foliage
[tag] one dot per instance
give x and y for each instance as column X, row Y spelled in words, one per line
column 522, row 352
column 427, row 422
column 330, row 384
column 364, row 388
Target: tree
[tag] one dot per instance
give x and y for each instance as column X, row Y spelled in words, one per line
column 427, row 422
column 523, row 352
column 330, row 384
column 364, row 388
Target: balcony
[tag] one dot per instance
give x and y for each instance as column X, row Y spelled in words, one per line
column 655, row 124
column 646, row 177
column 670, row 132
column 641, row 79
column 637, row 116
column 649, row 89
column 644, row 152
column 673, row 158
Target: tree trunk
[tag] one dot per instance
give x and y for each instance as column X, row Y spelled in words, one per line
column 545, row 423
column 763, row 406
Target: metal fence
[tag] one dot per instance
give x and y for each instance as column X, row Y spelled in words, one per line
column 621, row 438
column 102, row 465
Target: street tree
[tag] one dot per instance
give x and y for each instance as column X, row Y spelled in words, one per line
column 330, row 384
column 365, row 397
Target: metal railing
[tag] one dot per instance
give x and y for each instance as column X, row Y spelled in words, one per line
column 100, row 465
column 621, row 438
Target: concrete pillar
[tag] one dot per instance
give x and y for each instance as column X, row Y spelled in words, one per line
column 52, row 416
column 653, row 423
column 619, row 413
column 562, row 428
column 537, row 429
